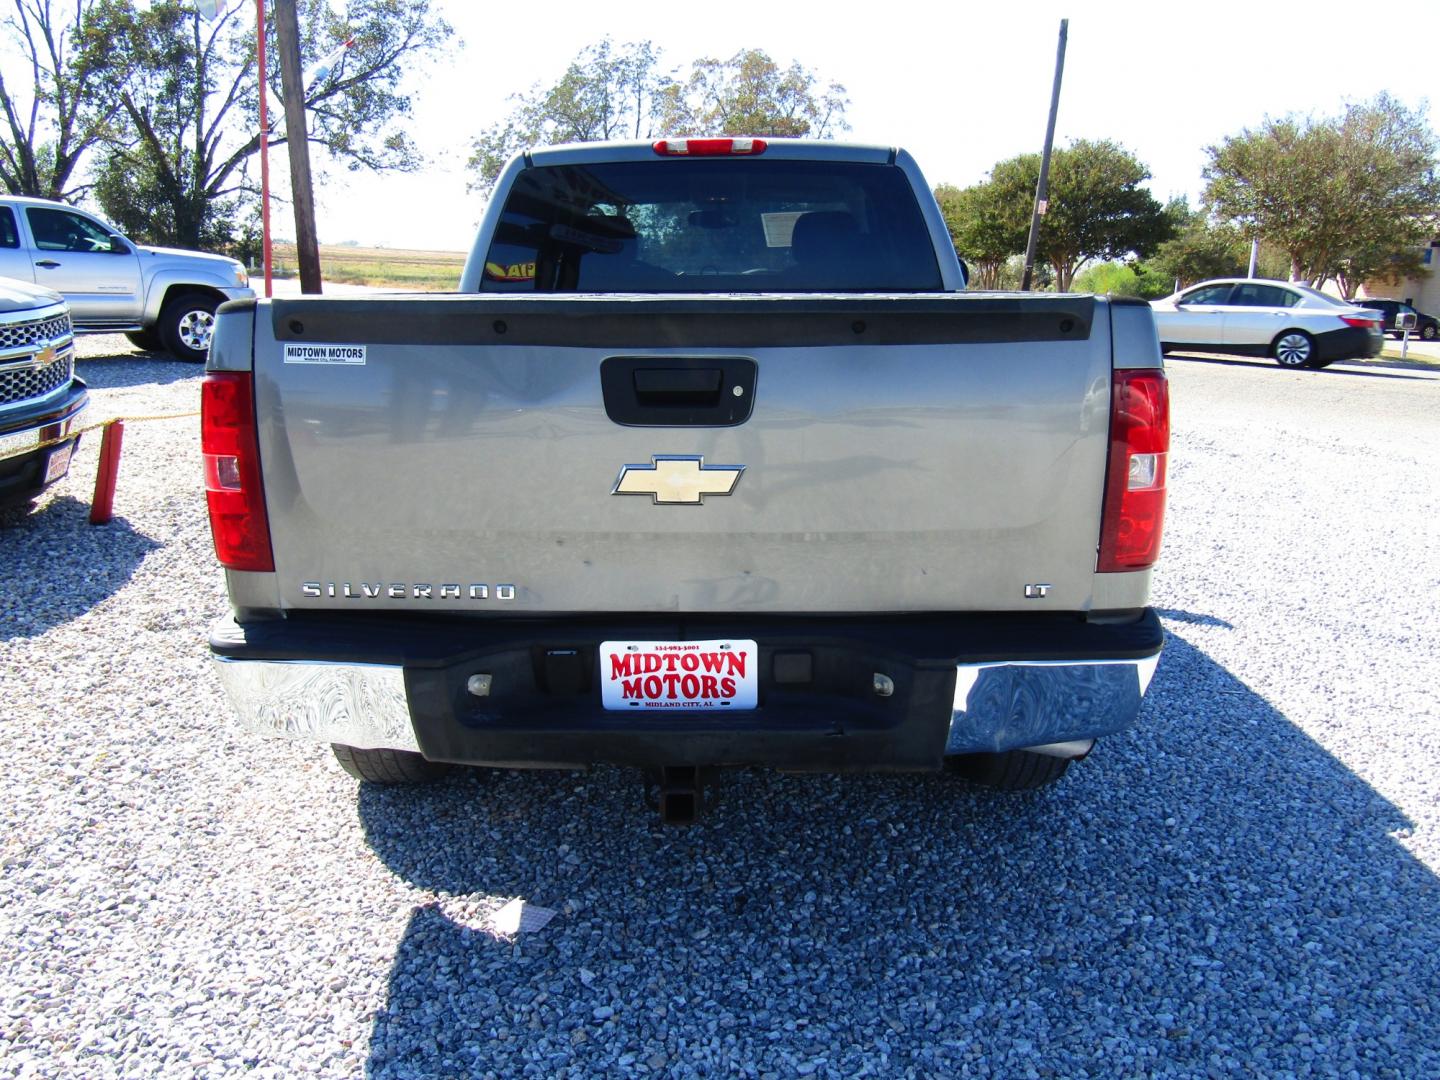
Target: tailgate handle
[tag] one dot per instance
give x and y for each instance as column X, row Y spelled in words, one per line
column 678, row 391
column 678, row 386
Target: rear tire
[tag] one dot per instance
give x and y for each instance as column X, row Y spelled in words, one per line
column 388, row 766
column 148, row 340
column 1014, row 770
column 186, row 324
column 1293, row 349
column 1427, row 333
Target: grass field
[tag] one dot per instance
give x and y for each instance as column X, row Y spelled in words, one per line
column 391, row 268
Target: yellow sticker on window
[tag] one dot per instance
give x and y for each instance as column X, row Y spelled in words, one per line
column 515, row 272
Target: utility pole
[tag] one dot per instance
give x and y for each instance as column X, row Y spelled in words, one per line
column 265, row 248
column 1042, row 189
column 292, row 87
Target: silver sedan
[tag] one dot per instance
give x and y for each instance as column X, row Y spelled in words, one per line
column 1297, row 325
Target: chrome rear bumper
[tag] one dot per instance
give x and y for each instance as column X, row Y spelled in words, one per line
column 1051, row 707
column 361, row 705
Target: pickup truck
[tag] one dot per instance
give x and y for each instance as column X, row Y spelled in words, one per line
column 162, row 299
column 711, row 461
column 42, row 403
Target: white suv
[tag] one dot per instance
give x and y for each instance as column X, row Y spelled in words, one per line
column 161, row 298
column 1297, row 325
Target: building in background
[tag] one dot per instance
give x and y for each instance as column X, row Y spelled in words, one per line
column 1421, row 292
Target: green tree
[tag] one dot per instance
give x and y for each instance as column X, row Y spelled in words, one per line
column 1097, row 208
column 1152, row 282
column 1200, row 251
column 1013, row 272
column 1377, row 261
column 1108, row 277
column 607, row 92
column 750, row 94
column 158, row 179
column 1123, row 279
column 1339, row 195
column 176, row 171
column 53, row 117
column 617, row 92
column 987, row 225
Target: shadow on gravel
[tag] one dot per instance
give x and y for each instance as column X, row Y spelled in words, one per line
column 1235, row 361
column 1193, row 618
column 135, row 369
column 57, row 566
column 1210, row 893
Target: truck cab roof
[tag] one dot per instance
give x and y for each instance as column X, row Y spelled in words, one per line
column 788, row 149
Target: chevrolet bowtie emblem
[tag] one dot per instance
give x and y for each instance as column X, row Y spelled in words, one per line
column 37, row 360
column 677, row 479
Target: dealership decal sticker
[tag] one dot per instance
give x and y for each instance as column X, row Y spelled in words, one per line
column 324, row 354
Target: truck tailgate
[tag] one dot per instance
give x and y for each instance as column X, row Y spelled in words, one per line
column 900, row 454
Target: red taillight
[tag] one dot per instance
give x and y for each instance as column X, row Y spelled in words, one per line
column 1359, row 320
column 232, row 471
column 1134, row 511
column 709, row 147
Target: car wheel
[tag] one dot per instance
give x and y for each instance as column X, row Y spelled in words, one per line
column 186, row 324
column 148, row 340
column 1293, row 349
column 388, row 766
column 1428, row 332
column 1014, row 770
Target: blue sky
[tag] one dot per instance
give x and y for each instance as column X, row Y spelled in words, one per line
column 960, row 85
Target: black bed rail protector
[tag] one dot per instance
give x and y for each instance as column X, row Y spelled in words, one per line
column 430, row 640
column 669, row 321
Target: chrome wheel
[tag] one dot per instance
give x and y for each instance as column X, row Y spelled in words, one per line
column 187, row 323
column 1294, row 349
column 194, row 329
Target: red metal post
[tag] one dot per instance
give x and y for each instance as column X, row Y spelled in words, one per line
column 264, row 141
column 104, row 499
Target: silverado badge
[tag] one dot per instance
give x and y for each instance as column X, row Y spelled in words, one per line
column 677, row 479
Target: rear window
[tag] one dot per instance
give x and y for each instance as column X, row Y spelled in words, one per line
column 1316, row 298
column 712, row 225
column 1254, row 295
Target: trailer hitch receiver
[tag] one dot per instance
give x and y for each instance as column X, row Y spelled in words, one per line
column 678, row 792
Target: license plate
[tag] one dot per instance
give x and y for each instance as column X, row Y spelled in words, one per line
column 59, row 463
column 679, row 675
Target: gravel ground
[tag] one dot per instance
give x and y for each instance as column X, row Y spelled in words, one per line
column 1243, row 884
